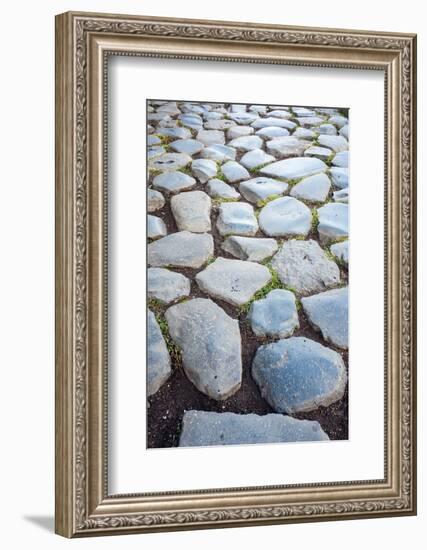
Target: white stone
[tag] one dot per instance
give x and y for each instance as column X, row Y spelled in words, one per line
column 166, row 286
column 239, row 131
column 273, row 121
column 233, row 281
column 287, row 145
column 319, row 152
column 234, row 172
column 336, row 143
column 285, row 217
column 251, row 249
column 211, row 137
column 169, row 162
column 258, row 189
column 254, row 158
column 341, row 159
column 342, row 195
column 271, row 132
column 314, row 188
column 275, row 316
column 219, row 189
column 204, row 169
column 158, row 358
column 333, row 222
column 173, row 182
column 182, row 249
column 155, row 200
column 189, row 146
column 192, row 211
column 236, row 218
column 156, row 227
column 293, row 168
column 246, row 143
column 219, row 153
column 339, row 177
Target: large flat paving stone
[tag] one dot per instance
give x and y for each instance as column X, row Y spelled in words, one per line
column 343, row 195
column 158, row 358
column 219, row 189
column 299, row 375
column 169, row 161
column 255, row 158
column 239, row 131
column 336, row 143
column 205, row 428
column 284, row 217
column 251, row 249
column 204, row 169
column 286, row 146
column 166, row 286
column 339, row 176
column 178, row 132
column 298, row 167
column 192, row 211
column 305, row 267
column 173, row 182
column 341, row 159
column 189, row 146
column 275, row 315
column 234, row 171
column 233, row 281
column 211, row 346
column 182, row 249
column 328, row 312
column 271, row 132
column 333, row 222
column 314, row 188
column 246, row 143
column 273, row 121
column 261, row 188
column 236, row 218
column 219, row 153
column 211, row 137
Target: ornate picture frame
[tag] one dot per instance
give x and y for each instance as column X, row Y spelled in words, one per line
column 83, row 43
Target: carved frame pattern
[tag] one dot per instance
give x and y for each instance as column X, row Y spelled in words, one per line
column 77, row 510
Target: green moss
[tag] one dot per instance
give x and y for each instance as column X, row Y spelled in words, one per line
column 314, row 219
column 154, row 172
column 186, row 170
column 257, row 169
column 219, row 200
column 220, row 176
column 174, row 351
column 291, row 182
column 274, row 284
column 209, row 261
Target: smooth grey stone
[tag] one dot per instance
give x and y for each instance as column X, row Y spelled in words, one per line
column 261, row 109
column 303, row 111
column 156, row 117
column 244, row 118
column 169, row 162
column 285, row 217
column 166, row 286
column 178, row 132
column 333, row 221
column 219, row 153
column 328, row 129
column 156, row 227
column 206, row 428
column 341, row 159
column 259, row 189
column 271, row 132
column 182, row 249
column 327, row 111
column 305, row 267
column 192, row 211
column 287, row 145
column 173, row 182
column 211, row 137
column 322, row 153
column 339, row 176
column 211, row 346
column 251, row 249
column 153, row 140
column 246, row 143
column 238, row 108
column 280, row 113
column 336, row 143
column 293, row 168
column 210, row 115
column 191, row 121
column 239, row 131
column 254, row 158
column 309, row 121
column 341, row 196
column 233, row 281
column 328, row 312
column 275, row 315
column 299, row 375
column 344, row 131
column 189, row 146
column 236, row 218
column 204, row 169
column 155, row 200
column 304, row 133
column 340, row 250
column 234, row 172
column 314, row 188
column 338, row 120
column 219, row 189
column 222, row 124
column 150, row 129
column 171, row 108
column 191, row 108
column 273, row 121
column 158, row 358
column 155, row 151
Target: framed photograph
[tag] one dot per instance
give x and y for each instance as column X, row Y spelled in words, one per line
column 235, row 274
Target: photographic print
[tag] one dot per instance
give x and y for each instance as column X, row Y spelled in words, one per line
column 247, row 230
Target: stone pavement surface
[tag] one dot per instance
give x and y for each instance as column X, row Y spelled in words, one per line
column 248, row 242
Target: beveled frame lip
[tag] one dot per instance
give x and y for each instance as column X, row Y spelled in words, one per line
column 83, row 41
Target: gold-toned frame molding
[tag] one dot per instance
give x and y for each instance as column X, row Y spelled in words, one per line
column 83, row 43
